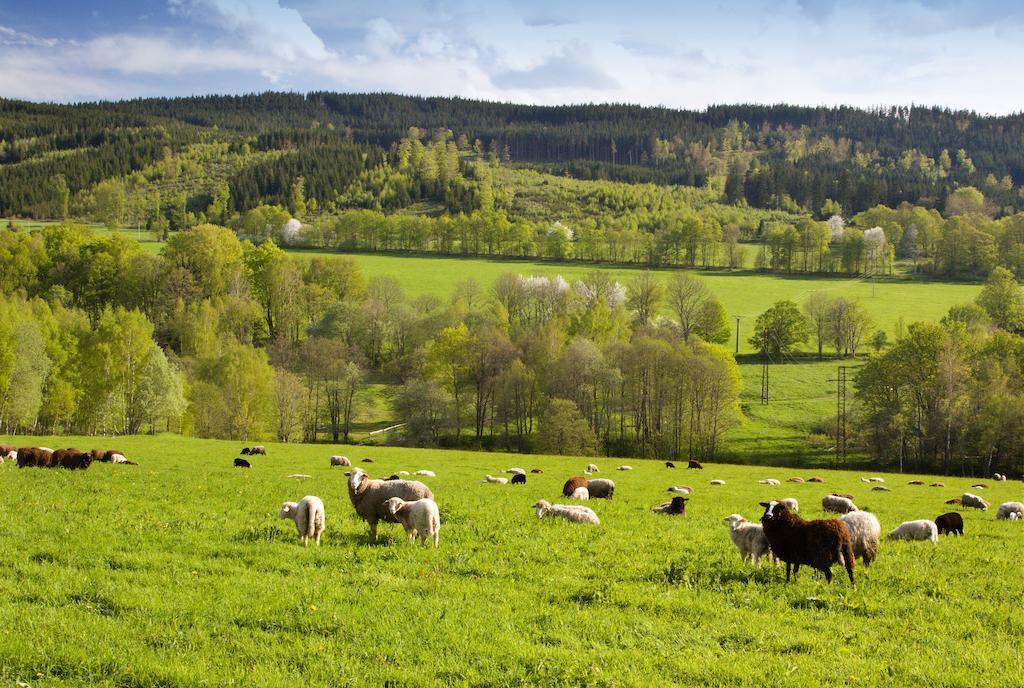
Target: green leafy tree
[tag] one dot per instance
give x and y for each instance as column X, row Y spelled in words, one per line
column 780, row 329
column 564, row 430
column 1002, row 299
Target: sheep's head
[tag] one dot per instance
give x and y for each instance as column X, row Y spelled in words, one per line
column 356, row 478
column 287, row 509
column 733, row 519
column 394, row 505
column 541, row 507
column 774, row 512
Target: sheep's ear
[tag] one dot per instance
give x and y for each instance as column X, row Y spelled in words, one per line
column 765, row 504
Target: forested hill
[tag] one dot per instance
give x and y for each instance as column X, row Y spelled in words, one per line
column 771, row 156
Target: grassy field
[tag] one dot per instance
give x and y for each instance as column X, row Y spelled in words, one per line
column 178, row 572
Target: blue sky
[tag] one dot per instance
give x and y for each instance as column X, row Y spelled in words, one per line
column 955, row 53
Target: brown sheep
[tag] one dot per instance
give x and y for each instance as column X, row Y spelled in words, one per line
column 35, row 456
column 950, row 523
column 72, row 459
column 955, row 500
column 693, row 463
column 916, row 482
column 815, row 479
column 572, row 483
column 843, row 495
column 818, row 544
column 536, row 470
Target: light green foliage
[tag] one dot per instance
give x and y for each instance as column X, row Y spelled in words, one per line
column 564, row 430
column 184, row 551
column 234, row 394
column 779, row 330
column 211, row 255
column 109, row 200
column 1002, row 299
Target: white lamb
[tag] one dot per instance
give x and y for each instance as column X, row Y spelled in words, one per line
column 769, row 481
column 581, row 493
column 749, row 538
column 865, row 531
column 921, row 529
column 592, row 468
column 494, row 479
column 718, row 482
column 308, row 514
column 570, row 512
column 420, row 517
column 681, row 489
column 1010, row 510
column 624, row 468
column 426, row 473
column 791, row 504
column 515, row 471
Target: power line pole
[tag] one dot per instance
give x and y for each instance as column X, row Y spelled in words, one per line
column 841, row 435
column 764, row 370
column 737, row 335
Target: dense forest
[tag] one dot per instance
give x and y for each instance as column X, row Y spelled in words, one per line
column 775, row 156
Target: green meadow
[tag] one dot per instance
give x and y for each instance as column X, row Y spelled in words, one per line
column 177, row 572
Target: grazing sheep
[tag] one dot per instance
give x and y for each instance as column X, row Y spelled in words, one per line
column 880, row 488
column 921, row 529
column 519, row 479
column 340, row 461
column 308, row 514
column 676, row 507
column 669, row 464
column 818, row 544
column 402, row 473
column 681, row 489
column 494, row 479
column 245, row 451
column 592, row 468
column 580, row 493
column 242, row 463
column 624, row 468
column 1015, row 516
column 426, row 474
column 916, row 482
column 258, row 449
column 601, row 488
column 515, row 471
column 837, row 504
column 864, row 480
column 865, row 531
column 71, row 458
column 954, row 500
column 1007, row 508
column 572, row 483
column 536, row 470
column 998, row 477
column 749, row 538
column 794, row 479
column 970, row 501
column 717, row 482
column 979, row 486
column 950, row 523
column 937, row 485
column 367, row 460
column 393, row 476
column 369, row 496
column 876, row 480
column 693, row 463
column 791, row 504
column 842, row 494
column 769, row 481
column 7, row 450
column 40, row 457
column 420, row 517
column 570, row 512
column 815, row 479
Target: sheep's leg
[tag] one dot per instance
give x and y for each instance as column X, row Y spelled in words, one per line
column 436, row 533
column 305, row 541
column 796, row 569
column 373, row 530
column 318, row 538
column 789, row 566
column 828, row 575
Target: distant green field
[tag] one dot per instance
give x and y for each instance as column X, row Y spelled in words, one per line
column 178, row 572
column 743, row 293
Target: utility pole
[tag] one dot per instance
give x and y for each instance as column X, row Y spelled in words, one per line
column 841, row 434
column 737, row 335
column 764, row 370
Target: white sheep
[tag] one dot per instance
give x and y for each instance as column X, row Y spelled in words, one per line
column 865, row 531
column 570, row 512
column 972, row 501
column 624, row 468
column 681, row 489
column 309, row 516
column 592, row 468
column 749, row 538
column 403, row 472
column 1007, row 510
column 921, row 529
column 769, row 481
column 426, row 473
column 581, row 493
column 839, row 505
column 340, row 461
column 718, row 482
column 998, row 476
column 494, row 479
column 515, row 471
column 420, row 517
column 791, row 504
column 876, row 480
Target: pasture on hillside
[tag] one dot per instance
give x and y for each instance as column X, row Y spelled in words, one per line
column 177, row 572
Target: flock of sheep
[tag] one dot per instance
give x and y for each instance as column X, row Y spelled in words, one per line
column 70, row 458
column 781, row 535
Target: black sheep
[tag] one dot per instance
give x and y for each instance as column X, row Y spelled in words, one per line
column 518, row 479
column 950, row 523
column 693, row 463
column 242, row 463
column 818, row 544
column 669, row 464
column 245, row 451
